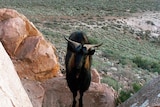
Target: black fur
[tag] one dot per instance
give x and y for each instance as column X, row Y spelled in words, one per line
column 78, row 77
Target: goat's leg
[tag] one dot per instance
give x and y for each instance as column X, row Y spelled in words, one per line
column 81, row 99
column 74, row 98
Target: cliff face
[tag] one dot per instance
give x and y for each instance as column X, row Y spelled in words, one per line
column 11, row 90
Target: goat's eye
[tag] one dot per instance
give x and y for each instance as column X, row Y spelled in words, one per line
column 78, row 48
column 84, row 50
column 91, row 51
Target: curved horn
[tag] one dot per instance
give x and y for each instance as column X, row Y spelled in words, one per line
column 88, row 46
column 76, row 44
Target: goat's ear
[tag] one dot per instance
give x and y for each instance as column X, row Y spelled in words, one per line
column 91, row 51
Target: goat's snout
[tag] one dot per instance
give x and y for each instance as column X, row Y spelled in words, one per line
column 78, row 62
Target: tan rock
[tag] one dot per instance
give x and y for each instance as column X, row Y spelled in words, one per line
column 95, row 76
column 35, row 91
column 12, row 93
column 33, row 57
column 57, row 94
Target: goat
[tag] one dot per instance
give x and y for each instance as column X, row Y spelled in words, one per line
column 78, row 63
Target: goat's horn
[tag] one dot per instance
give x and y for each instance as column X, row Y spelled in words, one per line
column 88, row 46
column 76, row 44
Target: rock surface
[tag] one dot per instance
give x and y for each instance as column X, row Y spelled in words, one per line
column 148, row 96
column 35, row 91
column 33, row 57
column 55, row 93
column 95, row 76
column 12, row 93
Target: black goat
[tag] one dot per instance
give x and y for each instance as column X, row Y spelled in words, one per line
column 78, row 64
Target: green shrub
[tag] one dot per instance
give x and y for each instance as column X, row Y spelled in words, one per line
column 152, row 66
column 127, row 61
column 125, row 94
column 92, row 40
column 111, row 54
column 142, row 63
column 155, row 67
column 111, row 82
column 136, row 87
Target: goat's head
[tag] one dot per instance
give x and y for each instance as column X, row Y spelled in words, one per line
column 81, row 51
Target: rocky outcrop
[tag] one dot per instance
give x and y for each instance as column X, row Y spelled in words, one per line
column 33, row 57
column 148, row 96
column 11, row 90
column 55, row 93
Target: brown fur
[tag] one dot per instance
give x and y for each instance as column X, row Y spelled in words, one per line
column 87, row 63
column 71, row 62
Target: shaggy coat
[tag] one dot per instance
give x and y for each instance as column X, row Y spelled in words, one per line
column 78, row 64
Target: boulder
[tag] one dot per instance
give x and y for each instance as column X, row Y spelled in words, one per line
column 148, row 96
column 34, row 57
column 11, row 90
column 55, row 93
column 35, row 91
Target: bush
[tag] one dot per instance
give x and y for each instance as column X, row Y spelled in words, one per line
column 111, row 82
column 155, row 67
column 111, row 54
column 93, row 40
column 136, row 87
column 152, row 66
column 127, row 61
column 125, row 94
column 142, row 63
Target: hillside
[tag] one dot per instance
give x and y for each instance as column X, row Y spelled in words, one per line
column 129, row 30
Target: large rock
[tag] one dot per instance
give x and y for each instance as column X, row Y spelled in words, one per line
column 12, row 93
column 55, row 93
column 35, row 91
column 33, row 57
column 148, row 96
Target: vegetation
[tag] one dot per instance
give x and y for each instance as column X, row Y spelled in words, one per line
column 152, row 66
column 76, row 7
column 111, row 82
column 125, row 94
